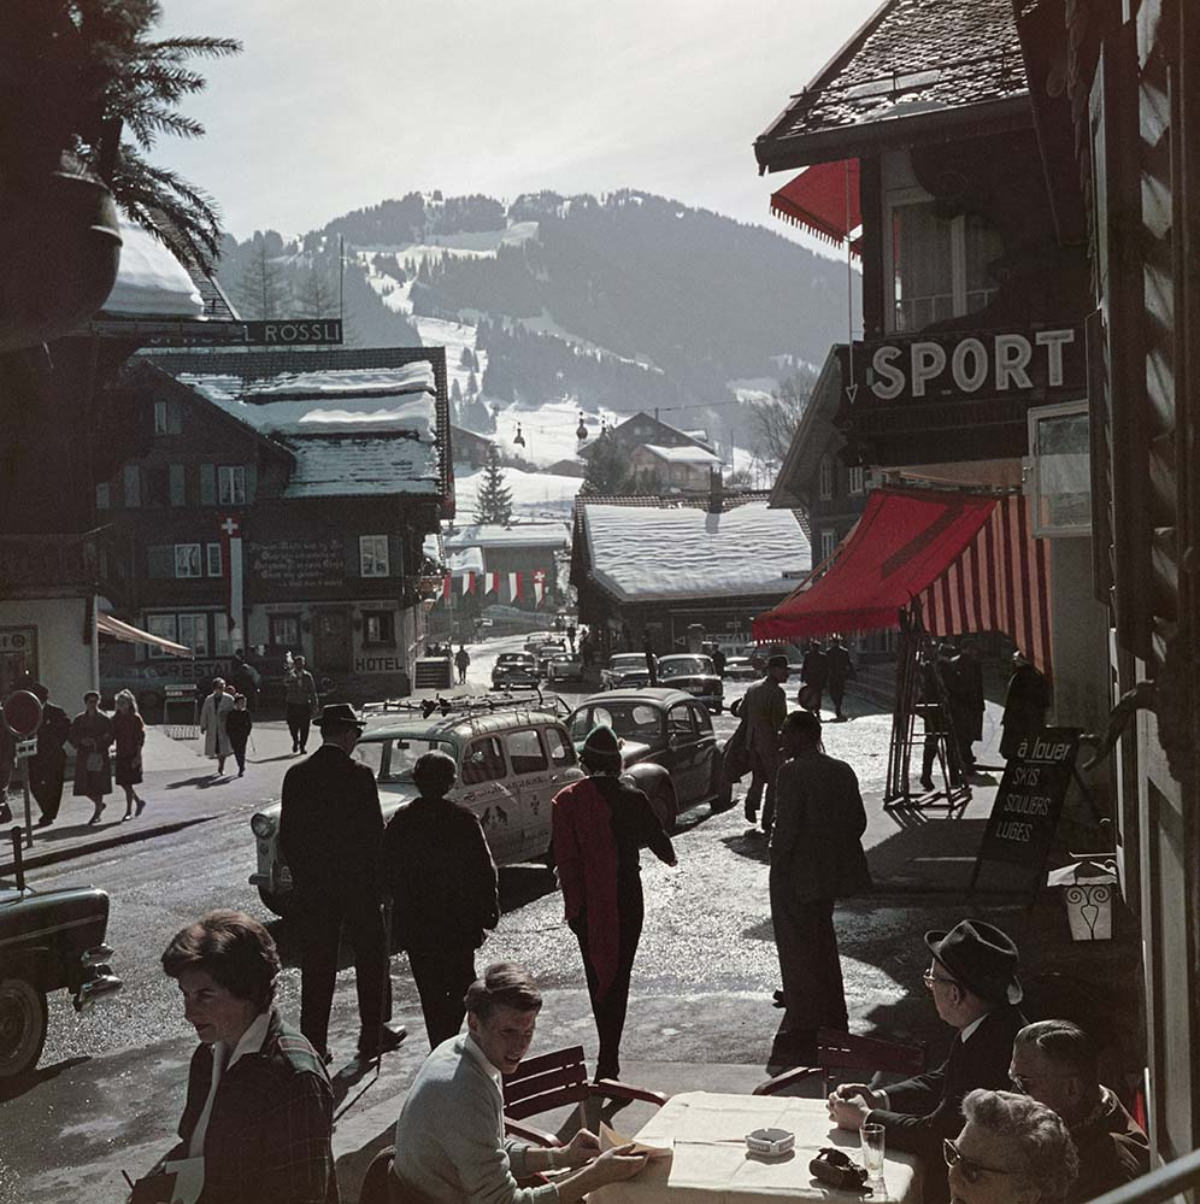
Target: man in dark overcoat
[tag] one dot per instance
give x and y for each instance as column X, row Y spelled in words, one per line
column 47, row 766
column 816, row 858
column 762, row 710
column 331, row 833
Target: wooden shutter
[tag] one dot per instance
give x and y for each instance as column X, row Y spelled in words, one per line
column 251, row 483
column 160, row 561
column 178, row 485
column 208, row 484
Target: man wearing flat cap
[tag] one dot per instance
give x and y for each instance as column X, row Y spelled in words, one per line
column 331, row 832
column 763, row 710
column 973, row 979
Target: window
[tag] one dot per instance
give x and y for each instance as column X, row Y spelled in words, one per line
column 158, row 489
column 160, row 561
column 828, row 544
column 208, row 485
column 160, row 417
column 133, row 485
column 164, row 626
column 483, row 762
column 825, row 481
column 231, row 485
column 373, row 555
column 193, row 632
column 178, row 485
column 283, row 631
column 680, row 725
column 187, row 560
column 1060, row 483
column 379, row 627
column 213, row 559
column 941, row 267
column 525, row 753
column 702, row 719
column 222, row 644
column 103, row 496
column 562, row 751
column 858, row 480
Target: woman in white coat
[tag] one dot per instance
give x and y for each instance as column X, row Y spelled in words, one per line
column 212, row 723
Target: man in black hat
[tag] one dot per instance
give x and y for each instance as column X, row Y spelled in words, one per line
column 331, row 832
column 763, row 710
column 973, row 980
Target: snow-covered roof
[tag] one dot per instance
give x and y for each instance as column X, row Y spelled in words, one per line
column 521, row 535
column 431, row 546
column 151, row 282
column 356, row 465
column 466, row 560
column 649, row 552
column 683, row 455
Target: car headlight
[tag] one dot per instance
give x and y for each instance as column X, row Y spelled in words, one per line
column 263, row 826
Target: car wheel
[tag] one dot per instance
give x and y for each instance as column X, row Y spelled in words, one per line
column 718, row 707
column 280, row 902
column 23, row 1023
column 666, row 808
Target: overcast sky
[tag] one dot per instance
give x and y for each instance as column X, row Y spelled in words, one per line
column 340, row 104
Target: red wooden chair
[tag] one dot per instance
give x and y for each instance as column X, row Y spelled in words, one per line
column 555, row 1080
column 844, row 1051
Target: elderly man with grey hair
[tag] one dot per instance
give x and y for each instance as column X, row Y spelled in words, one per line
column 1054, row 1062
column 1012, row 1150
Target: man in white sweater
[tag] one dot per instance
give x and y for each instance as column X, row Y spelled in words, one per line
column 450, row 1143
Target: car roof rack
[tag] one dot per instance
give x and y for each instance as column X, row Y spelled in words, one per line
column 425, row 708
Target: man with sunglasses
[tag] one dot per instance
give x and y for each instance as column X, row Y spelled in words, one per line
column 1012, row 1150
column 1054, row 1062
column 973, row 980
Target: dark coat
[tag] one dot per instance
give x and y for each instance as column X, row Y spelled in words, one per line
column 439, row 871
column 92, row 734
column 331, row 826
column 1026, row 699
column 1113, row 1150
column 270, row 1133
column 819, row 821
column 925, row 1109
column 237, row 727
column 53, row 734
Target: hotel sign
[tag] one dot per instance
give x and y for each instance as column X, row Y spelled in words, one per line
column 294, row 332
column 968, row 365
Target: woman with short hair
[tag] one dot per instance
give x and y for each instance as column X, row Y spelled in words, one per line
column 91, row 734
column 1012, row 1150
column 257, row 1125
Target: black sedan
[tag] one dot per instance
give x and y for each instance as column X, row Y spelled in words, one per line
column 668, row 745
column 695, row 675
column 515, row 669
column 625, row 671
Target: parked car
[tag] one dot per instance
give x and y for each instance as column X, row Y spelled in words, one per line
column 49, row 941
column 741, row 668
column 534, row 642
column 547, row 652
column 668, row 744
column 511, row 761
column 515, row 668
column 565, row 666
column 695, row 675
column 625, row 670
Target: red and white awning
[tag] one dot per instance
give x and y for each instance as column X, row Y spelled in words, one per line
column 119, row 630
column 824, row 200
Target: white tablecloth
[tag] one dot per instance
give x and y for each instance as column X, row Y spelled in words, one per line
column 710, row 1162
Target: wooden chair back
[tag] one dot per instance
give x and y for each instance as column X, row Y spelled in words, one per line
column 375, row 1189
column 546, row 1082
column 838, row 1051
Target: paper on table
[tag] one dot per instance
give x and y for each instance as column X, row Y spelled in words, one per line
column 609, row 1138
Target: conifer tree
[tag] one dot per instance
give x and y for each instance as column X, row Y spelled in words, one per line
column 607, row 468
column 494, row 501
column 261, row 291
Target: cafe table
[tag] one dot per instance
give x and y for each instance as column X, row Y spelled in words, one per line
column 710, row 1162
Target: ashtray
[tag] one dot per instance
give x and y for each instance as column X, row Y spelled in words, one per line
column 771, row 1142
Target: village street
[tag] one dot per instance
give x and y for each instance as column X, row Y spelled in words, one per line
column 110, row 1086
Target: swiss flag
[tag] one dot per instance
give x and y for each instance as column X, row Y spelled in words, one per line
column 539, row 586
column 230, row 527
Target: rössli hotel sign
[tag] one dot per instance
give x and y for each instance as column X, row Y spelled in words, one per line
column 1039, row 363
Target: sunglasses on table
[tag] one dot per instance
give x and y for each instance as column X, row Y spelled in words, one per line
column 971, row 1170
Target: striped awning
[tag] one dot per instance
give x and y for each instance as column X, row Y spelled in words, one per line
column 969, row 558
column 120, row 630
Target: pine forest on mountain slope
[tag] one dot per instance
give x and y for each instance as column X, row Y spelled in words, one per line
column 694, row 298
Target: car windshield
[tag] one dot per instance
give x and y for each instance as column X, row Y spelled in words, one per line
column 564, row 660
column 392, row 760
column 628, row 660
column 630, row 720
column 515, row 658
column 684, row 666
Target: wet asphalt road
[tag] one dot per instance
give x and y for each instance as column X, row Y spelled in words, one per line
column 705, row 971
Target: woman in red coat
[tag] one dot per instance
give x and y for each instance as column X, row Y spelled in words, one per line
column 599, row 825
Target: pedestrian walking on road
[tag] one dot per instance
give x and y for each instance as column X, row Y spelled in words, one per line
column 1025, row 704
column 213, row 714
column 331, row 833
column 238, row 723
column 92, row 735
column 816, row 858
column 258, row 1122
column 651, row 659
column 571, row 637
column 840, row 669
column 814, row 674
column 246, row 679
column 462, row 660
column 47, row 767
column 965, row 686
column 300, row 702
column 598, row 826
column 763, row 710
column 439, row 872
column 129, row 737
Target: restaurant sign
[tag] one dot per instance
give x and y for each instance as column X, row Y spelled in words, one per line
column 967, row 365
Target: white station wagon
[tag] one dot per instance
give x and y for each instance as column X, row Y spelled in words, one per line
column 511, row 763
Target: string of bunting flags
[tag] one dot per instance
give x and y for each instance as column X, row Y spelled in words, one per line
column 517, row 585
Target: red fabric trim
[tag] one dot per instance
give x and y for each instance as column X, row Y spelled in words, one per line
column 817, row 200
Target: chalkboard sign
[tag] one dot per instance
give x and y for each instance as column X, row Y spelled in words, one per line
column 1029, row 801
